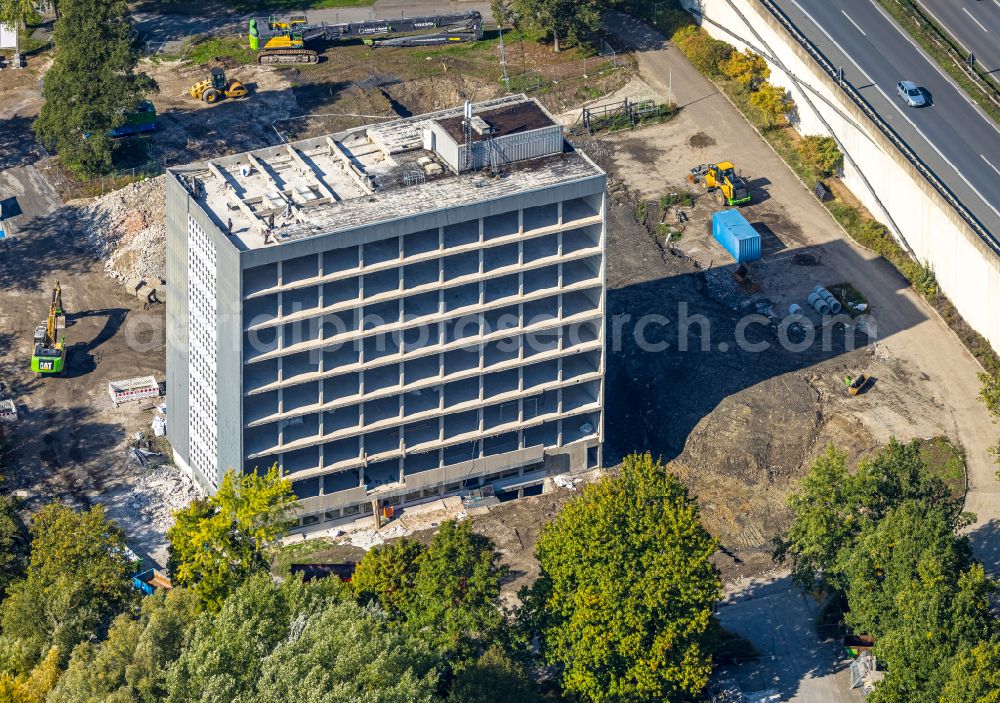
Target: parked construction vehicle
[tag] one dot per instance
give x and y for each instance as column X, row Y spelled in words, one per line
column 49, row 350
column 729, row 186
column 283, row 41
column 217, row 87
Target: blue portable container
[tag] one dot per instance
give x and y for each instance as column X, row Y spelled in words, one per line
column 736, row 235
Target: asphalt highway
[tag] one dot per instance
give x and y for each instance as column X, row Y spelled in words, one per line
column 974, row 23
column 951, row 135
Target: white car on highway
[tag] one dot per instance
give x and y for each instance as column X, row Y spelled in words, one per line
column 909, row 92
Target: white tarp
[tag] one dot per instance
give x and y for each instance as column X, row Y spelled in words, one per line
column 8, row 36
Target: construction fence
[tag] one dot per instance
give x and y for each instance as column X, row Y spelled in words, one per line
column 70, row 187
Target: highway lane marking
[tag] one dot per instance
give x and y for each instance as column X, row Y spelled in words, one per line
column 961, row 174
column 966, row 11
column 933, row 64
column 855, row 23
column 990, row 164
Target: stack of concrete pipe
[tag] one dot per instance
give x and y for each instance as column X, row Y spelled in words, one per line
column 823, row 302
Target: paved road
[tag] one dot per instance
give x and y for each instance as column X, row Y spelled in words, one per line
column 960, row 143
column 974, row 23
column 794, row 665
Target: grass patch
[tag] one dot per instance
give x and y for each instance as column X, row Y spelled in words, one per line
column 684, row 198
column 945, row 461
column 947, row 53
column 281, row 6
column 312, row 551
column 222, row 48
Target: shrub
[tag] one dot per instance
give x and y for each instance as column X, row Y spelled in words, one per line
column 747, row 69
column 705, row 53
column 821, row 155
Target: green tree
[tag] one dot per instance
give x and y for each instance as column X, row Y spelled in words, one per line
column 387, row 575
column 832, row 506
column 989, row 394
column 92, row 83
column 456, row 591
column 32, row 687
column 78, row 580
column 572, row 20
column 131, row 665
column 502, row 13
column 773, row 103
column 345, row 654
column 222, row 662
column 975, row 675
column 821, row 154
column 623, row 604
column 886, row 539
column 216, row 543
column 746, row 69
column 13, row 545
column 494, row 677
column 17, row 11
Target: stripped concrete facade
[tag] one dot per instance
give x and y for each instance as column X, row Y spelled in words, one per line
column 386, row 323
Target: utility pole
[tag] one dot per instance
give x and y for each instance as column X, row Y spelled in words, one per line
column 503, row 60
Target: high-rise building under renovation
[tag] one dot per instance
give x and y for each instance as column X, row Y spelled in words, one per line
column 391, row 313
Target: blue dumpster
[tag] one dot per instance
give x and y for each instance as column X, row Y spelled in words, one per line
column 736, row 235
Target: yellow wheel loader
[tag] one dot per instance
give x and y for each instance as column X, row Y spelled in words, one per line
column 729, row 186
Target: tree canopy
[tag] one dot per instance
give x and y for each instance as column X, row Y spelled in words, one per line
column 833, row 506
column 13, row 545
column 572, row 20
column 623, row 604
column 78, row 580
column 975, row 675
column 885, row 537
column 388, row 574
column 217, row 542
column 821, row 154
column 92, row 83
column 131, row 665
column 748, row 69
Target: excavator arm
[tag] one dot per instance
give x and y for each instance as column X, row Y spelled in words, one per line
column 284, row 41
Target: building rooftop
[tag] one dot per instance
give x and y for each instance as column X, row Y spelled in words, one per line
column 383, row 172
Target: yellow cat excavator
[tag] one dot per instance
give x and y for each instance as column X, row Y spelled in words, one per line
column 217, row 88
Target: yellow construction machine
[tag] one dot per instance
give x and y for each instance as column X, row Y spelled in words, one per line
column 217, row 88
column 49, row 348
column 729, row 186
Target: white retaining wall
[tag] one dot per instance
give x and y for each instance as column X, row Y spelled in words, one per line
column 967, row 269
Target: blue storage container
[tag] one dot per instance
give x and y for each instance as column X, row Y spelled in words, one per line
column 736, row 235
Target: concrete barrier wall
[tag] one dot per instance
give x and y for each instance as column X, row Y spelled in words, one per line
column 967, row 268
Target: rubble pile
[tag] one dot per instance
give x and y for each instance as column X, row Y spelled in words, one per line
column 127, row 228
column 155, row 493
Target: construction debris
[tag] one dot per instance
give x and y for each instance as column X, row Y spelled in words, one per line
column 127, row 228
column 8, row 411
column 157, row 492
column 133, row 389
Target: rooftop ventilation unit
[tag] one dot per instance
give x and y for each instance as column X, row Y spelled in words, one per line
column 481, row 126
